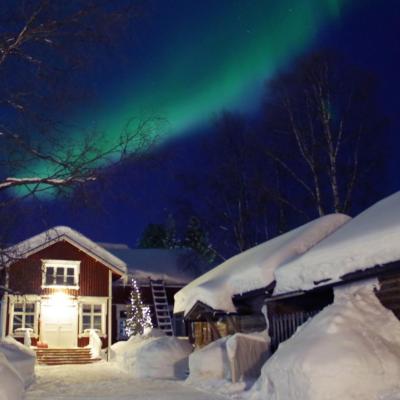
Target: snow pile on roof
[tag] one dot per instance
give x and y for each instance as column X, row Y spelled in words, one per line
column 22, row 358
column 153, row 356
column 165, row 264
column 59, row 233
column 11, row 384
column 349, row 351
column 254, row 268
column 370, row 239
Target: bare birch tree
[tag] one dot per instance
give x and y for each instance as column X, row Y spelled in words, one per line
column 47, row 48
column 322, row 119
column 43, row 46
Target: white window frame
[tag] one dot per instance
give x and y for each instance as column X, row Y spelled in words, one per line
column 102, row 301
column 61, row 264
column 119, row 308
column 30, row 299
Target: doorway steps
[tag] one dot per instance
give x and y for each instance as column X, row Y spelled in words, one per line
column 64, row 356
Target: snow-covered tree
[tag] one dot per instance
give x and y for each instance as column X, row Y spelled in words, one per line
column 138, row 315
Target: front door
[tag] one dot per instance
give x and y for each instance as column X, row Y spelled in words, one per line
column 59, row 322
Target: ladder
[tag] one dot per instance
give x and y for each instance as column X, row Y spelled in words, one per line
column 161, row 306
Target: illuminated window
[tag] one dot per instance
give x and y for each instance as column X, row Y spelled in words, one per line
column 60, row 273
column 23, row 316
column 92, row 316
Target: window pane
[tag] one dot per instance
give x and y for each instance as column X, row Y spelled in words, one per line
column 59, row 280
column 122, row 314
column 70, row 272
column 97, row 308
column 17, row 322
column 97, row 322
column 86, row 322
column 60, row 271
column 18, row 307
column 30, row 307
column 49, row 280
column 49, row 271
column 122, row 328
column 87, row 308
column 70, row 280
column 29, row 319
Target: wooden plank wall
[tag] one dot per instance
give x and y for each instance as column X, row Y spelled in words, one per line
column 389, row 292
column 26, row 274
column 283, row 326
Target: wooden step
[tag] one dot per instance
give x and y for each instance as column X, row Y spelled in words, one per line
column 64, row 356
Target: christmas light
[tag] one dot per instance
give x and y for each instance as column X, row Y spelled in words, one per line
column 138, row 315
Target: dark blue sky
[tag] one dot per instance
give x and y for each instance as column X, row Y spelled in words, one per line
column 367, row 34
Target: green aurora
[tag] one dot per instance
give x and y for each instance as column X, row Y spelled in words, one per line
column 200, row 58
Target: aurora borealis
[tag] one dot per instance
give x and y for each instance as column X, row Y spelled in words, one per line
column 192, row 59
column 184, row 61
column 216, row 57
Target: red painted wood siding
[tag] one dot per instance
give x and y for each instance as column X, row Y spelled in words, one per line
column 26, row 274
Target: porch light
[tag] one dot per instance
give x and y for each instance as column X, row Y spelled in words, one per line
column 59, row 300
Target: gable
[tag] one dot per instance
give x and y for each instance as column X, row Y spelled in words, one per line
column 62, row 233
column 25, row 275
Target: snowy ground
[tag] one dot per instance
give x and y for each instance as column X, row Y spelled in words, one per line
column 105, row 381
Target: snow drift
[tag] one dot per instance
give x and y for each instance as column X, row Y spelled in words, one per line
column 22, row 358
column 11, row 383
column 232, row 358
column 153, row 356
column 254, row 268
column 210, row 362
column 230, row 364
column 349, row 351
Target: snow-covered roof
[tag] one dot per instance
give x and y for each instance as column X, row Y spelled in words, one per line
column 170, row 265
column 64, row 233
column 370, row 239
column 254, row 268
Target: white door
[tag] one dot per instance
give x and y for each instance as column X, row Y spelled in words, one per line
column 59, row 323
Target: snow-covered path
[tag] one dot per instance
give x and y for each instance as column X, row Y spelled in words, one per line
column 105, row 381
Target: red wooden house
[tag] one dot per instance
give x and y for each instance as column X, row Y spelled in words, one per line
column 61, row 284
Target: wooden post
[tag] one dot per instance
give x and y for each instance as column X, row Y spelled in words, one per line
column 3, row 313
column 4, row 306
column 109, row 316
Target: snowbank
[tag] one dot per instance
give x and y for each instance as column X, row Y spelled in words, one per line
column 22, row 358
column 254, row 268
column 11, row 383
column 370, row 239
column 349, row 351
column 153, row 356
column 230, row 364
column 236, row 357
column 210, row 362
column 95, row 344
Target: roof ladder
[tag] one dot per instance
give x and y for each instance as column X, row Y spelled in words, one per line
column 161, row 306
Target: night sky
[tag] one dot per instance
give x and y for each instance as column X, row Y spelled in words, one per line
column 188, row 60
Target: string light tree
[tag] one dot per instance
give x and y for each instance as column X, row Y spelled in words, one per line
column 138, row 315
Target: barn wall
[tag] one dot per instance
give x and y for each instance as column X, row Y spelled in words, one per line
column 26, row 275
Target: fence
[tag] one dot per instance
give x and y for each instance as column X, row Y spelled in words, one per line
column 283, row 326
